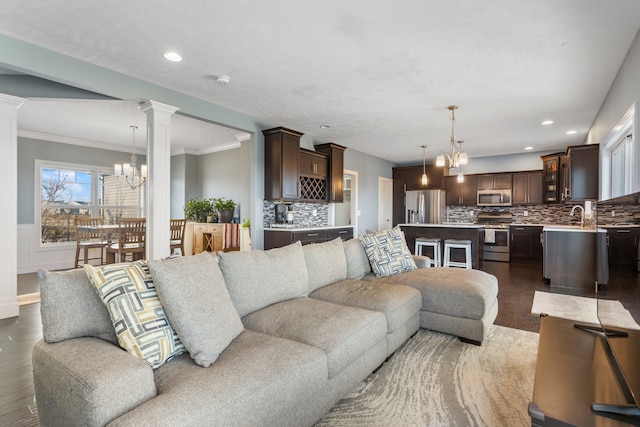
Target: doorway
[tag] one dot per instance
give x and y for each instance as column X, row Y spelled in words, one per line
column 385, row 203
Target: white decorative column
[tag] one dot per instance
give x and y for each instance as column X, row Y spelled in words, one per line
column 9, row 213
column 158, row 200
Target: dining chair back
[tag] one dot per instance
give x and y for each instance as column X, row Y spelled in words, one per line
column 88, row 238
column 131, row 240
column 177, row 227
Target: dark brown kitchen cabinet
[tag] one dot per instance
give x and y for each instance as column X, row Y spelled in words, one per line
column 461, row 194
column 399, row 186
column 313, row 164
column 583, row 173
column 525, row 242
column 280, row 238
column 527, row 188
column 281, row 163
column 623, row 248
column 494, row 181
column 335, row 175
column 552, row 177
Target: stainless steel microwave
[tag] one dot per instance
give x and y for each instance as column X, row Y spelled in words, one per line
column 498, row 197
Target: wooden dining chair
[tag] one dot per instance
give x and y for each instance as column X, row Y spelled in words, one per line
column 177, row 227
column 87, row 240
column 131, row 240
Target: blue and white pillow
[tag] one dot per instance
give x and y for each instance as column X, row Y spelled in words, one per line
column 139, row 319
column 388, row 252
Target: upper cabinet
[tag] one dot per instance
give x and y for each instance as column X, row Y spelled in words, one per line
column 313, row 164
column 583, row 172
column 494, row 181
column 281, row 164
column 335, row 175
column 527, row 188
column 461, row 193
column 572, row 176
column 412, row 177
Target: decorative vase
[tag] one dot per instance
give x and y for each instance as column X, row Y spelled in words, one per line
column 226, row 216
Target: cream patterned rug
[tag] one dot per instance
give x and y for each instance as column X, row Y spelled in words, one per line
column 436, row 380
column 583, row 309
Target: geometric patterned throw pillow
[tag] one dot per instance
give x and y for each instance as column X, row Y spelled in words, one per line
column 388, row 252
column 142, row 327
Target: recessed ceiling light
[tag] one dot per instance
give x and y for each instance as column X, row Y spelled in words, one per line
column 325, row 126
column 172, row 56
column 529, row 148
column 571, row 132
column 223, row 79
column 547, row 122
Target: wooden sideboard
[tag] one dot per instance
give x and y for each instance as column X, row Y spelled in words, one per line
column 207, row 237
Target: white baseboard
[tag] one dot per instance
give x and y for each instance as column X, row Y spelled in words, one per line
column 9, row 308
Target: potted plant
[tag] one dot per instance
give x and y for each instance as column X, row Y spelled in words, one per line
column 225, row 209
column 198, row 210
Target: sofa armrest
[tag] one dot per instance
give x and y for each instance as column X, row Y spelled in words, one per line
column 422, row 261
column 88, row 382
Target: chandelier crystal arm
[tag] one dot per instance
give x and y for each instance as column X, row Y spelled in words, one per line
column 134, row 178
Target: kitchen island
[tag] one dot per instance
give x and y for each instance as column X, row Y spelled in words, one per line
column 459, row 231
column 279, row 237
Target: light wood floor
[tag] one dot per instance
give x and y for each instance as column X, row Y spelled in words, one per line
column 517, row 285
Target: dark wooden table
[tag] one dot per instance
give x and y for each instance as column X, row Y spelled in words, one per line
column 572, row 372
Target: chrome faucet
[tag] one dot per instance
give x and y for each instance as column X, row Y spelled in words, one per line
column 573, row 211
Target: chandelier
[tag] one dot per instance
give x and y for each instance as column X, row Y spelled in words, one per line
column 134, row 178
column 455, row 157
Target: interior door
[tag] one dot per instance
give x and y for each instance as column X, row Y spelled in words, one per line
column 385, row 203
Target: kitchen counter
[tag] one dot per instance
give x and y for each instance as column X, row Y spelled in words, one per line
column 294, row 228
column 460, row 231
column 573, row 228
column 446, row 225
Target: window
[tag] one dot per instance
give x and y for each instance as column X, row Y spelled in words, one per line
column 74, row 191
column 620, row 171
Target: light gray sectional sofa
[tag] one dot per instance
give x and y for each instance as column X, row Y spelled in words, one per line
column 284, row 334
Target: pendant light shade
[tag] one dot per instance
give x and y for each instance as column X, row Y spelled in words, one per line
column 454, row 157
column 424, row 179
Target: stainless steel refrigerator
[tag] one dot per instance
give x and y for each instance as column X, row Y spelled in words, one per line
column 425, row 206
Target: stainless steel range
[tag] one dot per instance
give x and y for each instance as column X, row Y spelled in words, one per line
column 496, row 234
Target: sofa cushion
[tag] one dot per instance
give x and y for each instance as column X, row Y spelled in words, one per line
column 259, row 380
column 452, row 291
column 196, row 300
column 398, row 303
column 326, row 263
column 70, row 308
column 344, row 333
column 357, row 261
column 137, row 314
column 256, row 279
column 388, row 252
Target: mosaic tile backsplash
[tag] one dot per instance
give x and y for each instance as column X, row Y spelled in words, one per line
column 551, row 214
column 302, row 214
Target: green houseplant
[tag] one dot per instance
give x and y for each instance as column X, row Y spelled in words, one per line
column 225, row 208
column 198, row 210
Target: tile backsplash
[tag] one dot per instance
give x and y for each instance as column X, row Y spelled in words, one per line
column 302, row 214
column 536, row 214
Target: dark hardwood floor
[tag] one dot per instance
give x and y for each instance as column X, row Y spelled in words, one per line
column 518, row 282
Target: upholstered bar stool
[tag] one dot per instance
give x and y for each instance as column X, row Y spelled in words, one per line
column 432, row 243
column 461, row 244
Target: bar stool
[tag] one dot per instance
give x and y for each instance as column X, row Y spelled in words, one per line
column 429, row 242
column 461, row 244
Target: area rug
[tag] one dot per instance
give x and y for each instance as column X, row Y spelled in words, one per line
column 436, row 380
column 583, row 309
column 29, row 298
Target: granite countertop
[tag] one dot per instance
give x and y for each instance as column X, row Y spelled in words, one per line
column 295, row 228
column 572, row 228
column 446, row 225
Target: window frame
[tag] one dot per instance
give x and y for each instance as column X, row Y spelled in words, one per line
column 95, row 207
column 623, row 136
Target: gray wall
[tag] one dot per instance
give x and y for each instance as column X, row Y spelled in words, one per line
column 369, row 168
column 184, row 182
column 624, row 91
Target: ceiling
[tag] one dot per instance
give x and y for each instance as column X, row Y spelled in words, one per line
column 380, row 73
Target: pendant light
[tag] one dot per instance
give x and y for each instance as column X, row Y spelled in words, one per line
column 455, row 157
column 424, row 166
column 130, row 171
